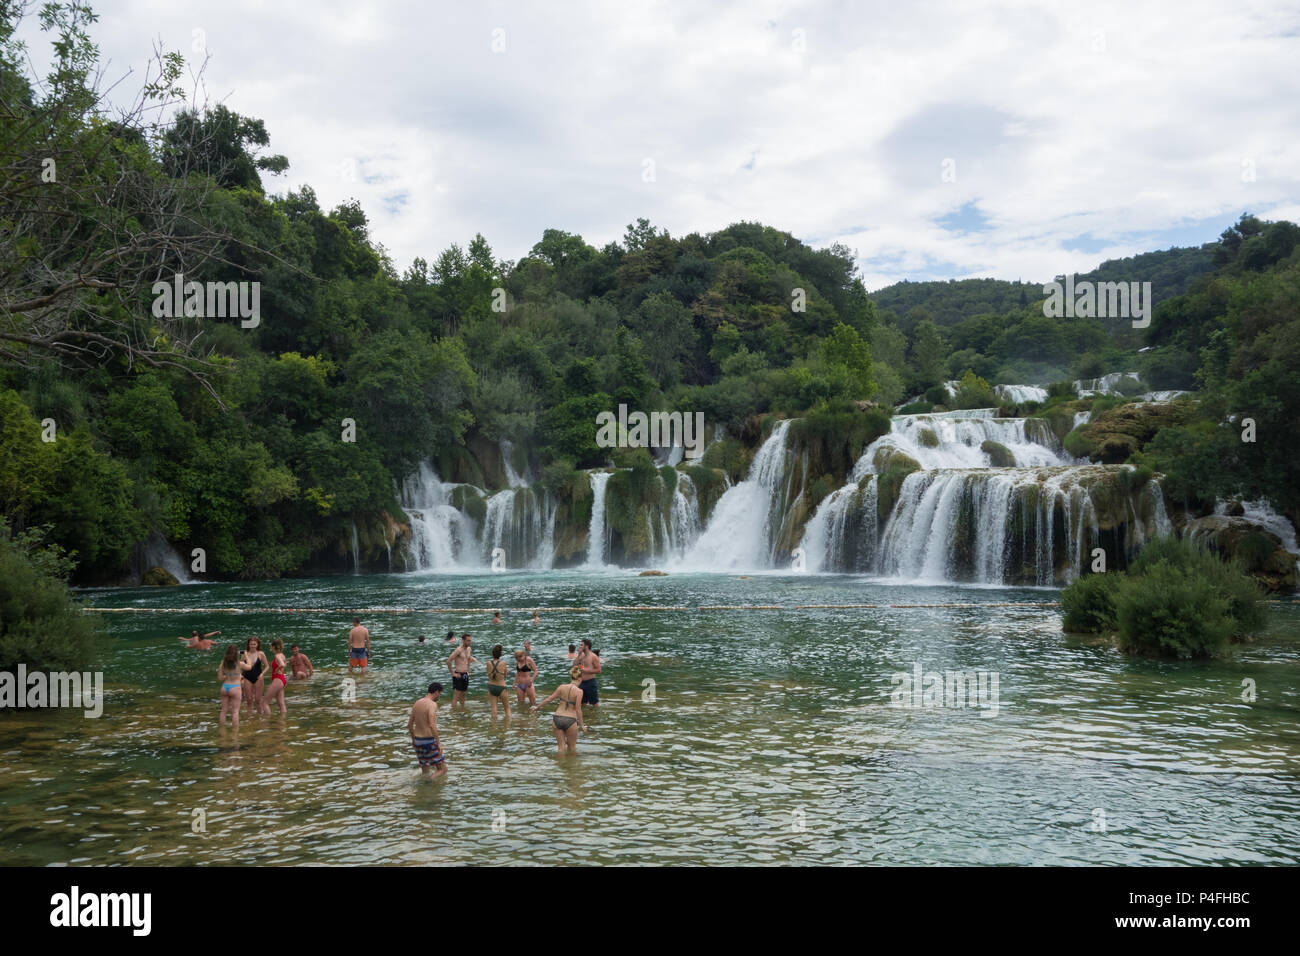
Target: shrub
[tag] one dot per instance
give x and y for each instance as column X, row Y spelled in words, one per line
column 974, row 392
column 40, row 625
column 1000, row 455
column 1227, row 578
column 936, row 395
column 1089, row 604
column 916, row 408
column 1168, row 612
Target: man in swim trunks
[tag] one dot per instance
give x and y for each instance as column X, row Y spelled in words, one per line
column 423, row 728
column 459, row 663
column 358, row 646
column 199, row 641
column 591, row 666
column 300, row 664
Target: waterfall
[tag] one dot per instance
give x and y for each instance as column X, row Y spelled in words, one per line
column 740, row 531
column 442, row 537
column 685, row 525
column 513, row 478
column 356, row 549
column 955, row 440
column 1017, row 394
column 522, row 526
column 841, row 536
column 596, row 543
column 156, row 552
column 1107, row 384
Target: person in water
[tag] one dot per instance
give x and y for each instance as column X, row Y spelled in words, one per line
column 459, row 664
column 420, row 639
column 278, row 679
column 537, row 617
column 423, row 728
column 451, row 636
column 231, row 673
column 496, row 676
column 358, row 646
column 254, row 680
column 591, row 666
column 525, row 678
column 496, row 618
column 572, row 649
column 199, row 641
column 300, row 664
column 568, row 715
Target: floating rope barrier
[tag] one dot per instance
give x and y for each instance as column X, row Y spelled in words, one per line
column 550, row 610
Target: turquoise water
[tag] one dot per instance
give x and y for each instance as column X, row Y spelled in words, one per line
column 770, row 737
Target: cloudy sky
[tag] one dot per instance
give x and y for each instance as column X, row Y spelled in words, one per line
column 937, row 140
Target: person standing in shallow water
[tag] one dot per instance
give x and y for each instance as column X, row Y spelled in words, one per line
column 458, row 663
column 231, row 673
column 567, row 718
column 254, row 680
column 358, row 646
column 278, row 680
column 496, row 676
column 525, row 678
column 591, row 666
column 422, row 725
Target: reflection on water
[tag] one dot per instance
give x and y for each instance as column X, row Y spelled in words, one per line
column 768, row 738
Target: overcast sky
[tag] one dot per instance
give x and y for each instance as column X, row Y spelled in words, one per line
column 937, row 140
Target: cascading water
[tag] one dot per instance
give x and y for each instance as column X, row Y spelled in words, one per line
column 442, row 536
column 356, row 549
column 956, row 440
column 522, row 526
column 1018, row 394
column 740, row 532
column 596, row 543
column 513, row 478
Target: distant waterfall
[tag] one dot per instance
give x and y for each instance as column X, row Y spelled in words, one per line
column 740, row 530
column 684, row 527
column 356, row 549
column 596, row 543
column 1018, row 394
column 842, row 534
column 522, row 525
column 442, row 537
column 513, row 478
column 955, row 440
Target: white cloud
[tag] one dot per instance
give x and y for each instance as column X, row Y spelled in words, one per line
column 1116, row 121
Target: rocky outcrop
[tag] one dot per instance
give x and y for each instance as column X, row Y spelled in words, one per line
column 1259, row 550
column 1114, row 435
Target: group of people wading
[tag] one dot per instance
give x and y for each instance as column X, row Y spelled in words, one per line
column 243, row 675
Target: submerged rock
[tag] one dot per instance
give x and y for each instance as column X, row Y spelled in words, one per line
column 653, row 574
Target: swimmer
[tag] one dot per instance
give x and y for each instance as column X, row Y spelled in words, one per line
column 496, row 675
column 496, row 618
column 300, row 664
column 420, row 639
column 278, row 681
column 254, row 681
column 199, row 641
column 423, row 728
column 537, row 617
column 589, row 661
column 568, row 716
column 451, row 636
column 358, row 646
column 230, row 673
column 525, row 678
column 459, row 663
column 571, row 654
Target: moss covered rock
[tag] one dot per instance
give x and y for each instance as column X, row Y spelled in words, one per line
column 1259, row 550
column 1115, row 434
column 999, row 454
column 158, row 577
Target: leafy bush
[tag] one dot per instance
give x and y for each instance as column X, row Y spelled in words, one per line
column 916, row 408
column 974, row 392
column 1089, row 604
column 40, row 625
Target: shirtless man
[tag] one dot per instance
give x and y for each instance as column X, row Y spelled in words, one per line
column 358, row 646
column 459, row 663
column 423, row 728
column 300, row 664
column 496, row 618
column 199, row 641
column 591, row 666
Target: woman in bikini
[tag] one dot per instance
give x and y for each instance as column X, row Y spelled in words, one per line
column 496, row 675
column 230, row 674
column 568, row 716
column 255, row 659
column 525, row 678
column 278, row 680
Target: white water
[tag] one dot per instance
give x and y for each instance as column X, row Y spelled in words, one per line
column 442, row 537
column 513, row 478
column 596, row 543
column 740, row 531
column 356, row 549
column 1018, row 394
column 957, row 438
column 1107, row 384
